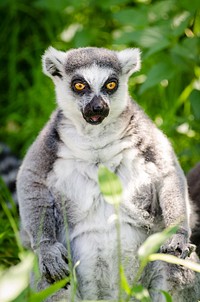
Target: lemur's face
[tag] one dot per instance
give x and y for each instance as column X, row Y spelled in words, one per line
column 94, row 89
column 91, row 82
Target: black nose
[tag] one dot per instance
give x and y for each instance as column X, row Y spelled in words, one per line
column 96, row 110
column 97, row 107
column 97, row 104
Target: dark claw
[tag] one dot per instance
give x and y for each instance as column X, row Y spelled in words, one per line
column 185, row 253
column 178, row 251
column 178, row 246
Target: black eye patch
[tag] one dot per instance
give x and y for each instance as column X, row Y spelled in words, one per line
column 110, row 86
column 79, row 85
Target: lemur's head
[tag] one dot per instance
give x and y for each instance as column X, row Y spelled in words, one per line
column 91, row 82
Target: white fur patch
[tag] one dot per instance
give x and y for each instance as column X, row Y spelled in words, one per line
column 93, row 237
column 130, row 60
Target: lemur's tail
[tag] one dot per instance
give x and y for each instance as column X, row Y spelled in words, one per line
column 193, row 179
column 9, row 165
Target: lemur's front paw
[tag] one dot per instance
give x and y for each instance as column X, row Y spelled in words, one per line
column 53, row 261
column 178, row 246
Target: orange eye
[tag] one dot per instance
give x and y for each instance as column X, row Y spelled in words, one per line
column 111, row 85
column 79, row 86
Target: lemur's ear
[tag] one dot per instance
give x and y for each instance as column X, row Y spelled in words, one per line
column 130, row 60
column 53, row 63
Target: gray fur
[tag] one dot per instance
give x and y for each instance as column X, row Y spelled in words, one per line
column 57, row 183
column 83, row 57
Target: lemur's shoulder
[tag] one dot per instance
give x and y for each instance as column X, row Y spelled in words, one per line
column 150, row 140
column 43, row 152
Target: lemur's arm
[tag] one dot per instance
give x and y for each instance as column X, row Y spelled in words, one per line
column 37, row 205
column 174, row 202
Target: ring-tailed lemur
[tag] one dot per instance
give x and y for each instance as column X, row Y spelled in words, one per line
column 97, row 123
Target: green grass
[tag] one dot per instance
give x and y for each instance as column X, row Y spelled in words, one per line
column 10, row 245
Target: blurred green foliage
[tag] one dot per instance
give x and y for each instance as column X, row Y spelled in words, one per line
column 10, row 245
column 167, row 87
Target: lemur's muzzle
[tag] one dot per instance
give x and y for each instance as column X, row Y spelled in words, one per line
column 95, row 111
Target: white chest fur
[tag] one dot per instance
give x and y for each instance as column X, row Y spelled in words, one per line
column 93, row 235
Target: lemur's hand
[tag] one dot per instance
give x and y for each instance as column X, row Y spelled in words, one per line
column 53, row 261
column 178, row 246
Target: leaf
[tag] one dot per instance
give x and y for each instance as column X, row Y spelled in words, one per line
column 39, row 297
column 124, row 282
column 163, row 7
column 157, row 47
column 140, row 293
column 180, row 23
column 168, row 297
column 145, row 38
column 110, row 185
column 159, row 72
column 151, row 36
column 153, row 243
column 175, row 260
column 197, row 24
column 188, row 49
column 195, row 103
column 16, row 279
